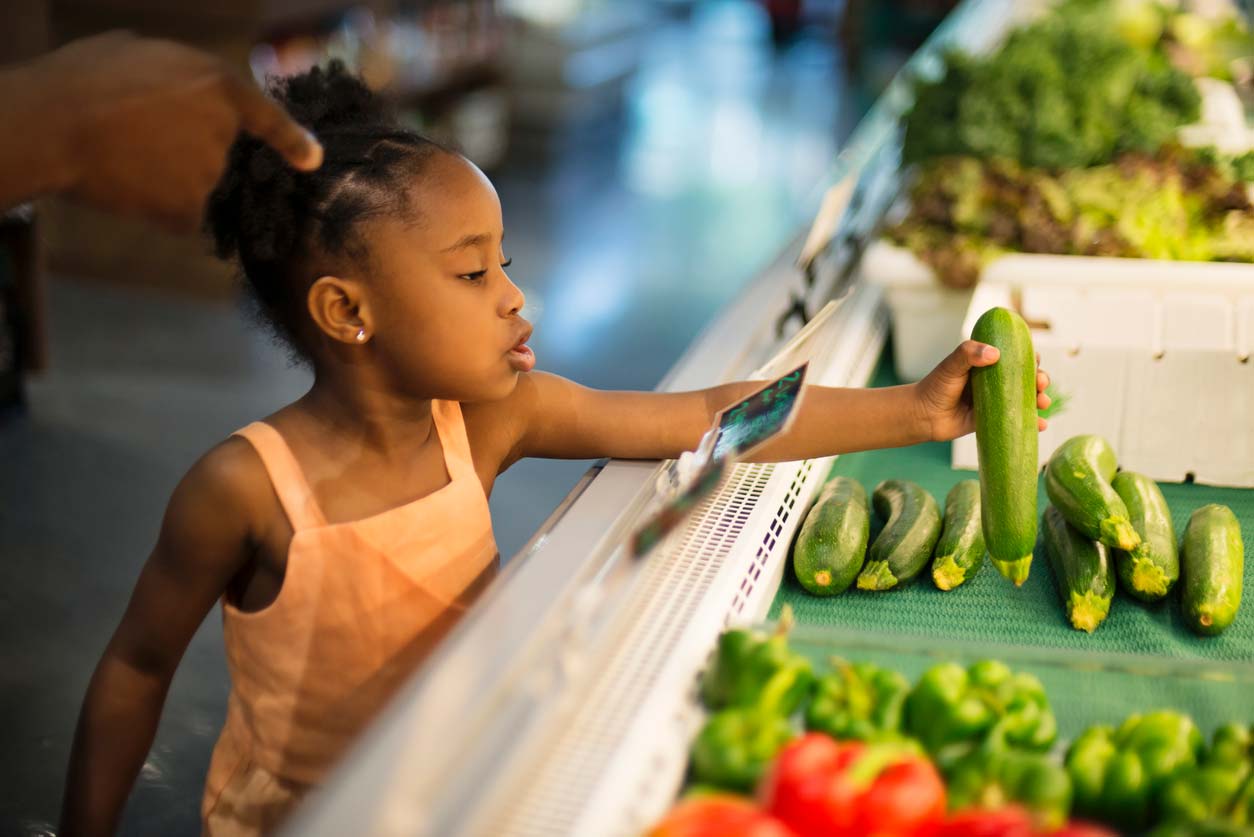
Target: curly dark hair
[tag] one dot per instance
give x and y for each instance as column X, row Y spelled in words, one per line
column 270, row 218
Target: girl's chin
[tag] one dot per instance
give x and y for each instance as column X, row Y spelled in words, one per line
column 504, row 387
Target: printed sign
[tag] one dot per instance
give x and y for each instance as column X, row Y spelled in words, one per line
column 742, row 428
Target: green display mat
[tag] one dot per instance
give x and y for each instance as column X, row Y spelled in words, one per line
column 989, row 608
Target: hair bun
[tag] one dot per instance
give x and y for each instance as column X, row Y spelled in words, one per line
column 266, row 215
column 258, row 183
column 330, row 98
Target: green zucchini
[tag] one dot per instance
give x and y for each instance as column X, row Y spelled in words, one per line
column 1077, row 480
column 1004, row 396
column 1213, row 561
column 960, row 550
column 1149, row 570
column 1082, row 569
column 912, row 526
column 832, row 543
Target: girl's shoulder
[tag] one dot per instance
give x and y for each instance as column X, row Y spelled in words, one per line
column 208, row 536
column 232, row 466
column 227, row 488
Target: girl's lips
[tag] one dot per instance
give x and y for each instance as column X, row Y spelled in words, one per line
column 522, row 358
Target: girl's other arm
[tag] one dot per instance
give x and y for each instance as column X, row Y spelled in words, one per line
column 204, row 541
column 559, row 419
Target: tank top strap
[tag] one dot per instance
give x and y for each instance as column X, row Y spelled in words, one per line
column 456, row 444
column 288, row 479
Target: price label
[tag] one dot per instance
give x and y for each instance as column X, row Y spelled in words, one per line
column 741, row 429
column 750, row 423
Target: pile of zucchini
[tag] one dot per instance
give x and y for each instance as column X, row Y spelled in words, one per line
column 831, row 551
column 1103, row 525
column 1102, row 530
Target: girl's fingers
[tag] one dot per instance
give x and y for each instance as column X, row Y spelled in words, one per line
column 1042, row 380
column 956, row 367
column 979, row 354
column 1041, row 424
column 1043, row 401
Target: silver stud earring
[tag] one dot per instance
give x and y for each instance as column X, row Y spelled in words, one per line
column 361, row 335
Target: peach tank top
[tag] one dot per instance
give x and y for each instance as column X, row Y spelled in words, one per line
column 361, row 605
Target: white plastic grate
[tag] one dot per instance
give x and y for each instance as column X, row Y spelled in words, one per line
column 673, row 585
column 750, row 582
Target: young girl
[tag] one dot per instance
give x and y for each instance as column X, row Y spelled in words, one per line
column 347, row 532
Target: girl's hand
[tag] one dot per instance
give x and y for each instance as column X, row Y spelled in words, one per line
column 943, row 398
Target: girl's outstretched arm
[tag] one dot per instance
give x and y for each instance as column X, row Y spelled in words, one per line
column 556, row 418
column 204, row 542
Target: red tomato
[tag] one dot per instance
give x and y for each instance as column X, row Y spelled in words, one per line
column 824, row 788
column 1011, row 821
column 719, row 815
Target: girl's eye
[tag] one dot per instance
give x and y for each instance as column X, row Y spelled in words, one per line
column 478, row 275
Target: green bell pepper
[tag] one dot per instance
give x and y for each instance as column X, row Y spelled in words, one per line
column 722, row 680
column 1242, row 811
column 1210, row 828
column 861, row 701
column 1243, row 805
column 993, row 778
column 1220, row 790
column 737, row 743
column 953, row 710
column 1199, row 794
column 1119, row 774
column 743, row 664
column 1232, row 745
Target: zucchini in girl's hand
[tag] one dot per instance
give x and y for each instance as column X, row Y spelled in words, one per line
column 960, row 550
column 1077, row 480
column 1082, row 570
column 1213, row 563
column 1149, row 570
column 904, row 546
column 1004, row 398
column 832, row 543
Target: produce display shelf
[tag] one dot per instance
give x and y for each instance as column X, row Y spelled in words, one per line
column 989, row 609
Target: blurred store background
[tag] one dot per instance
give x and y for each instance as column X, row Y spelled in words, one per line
column 651, row 157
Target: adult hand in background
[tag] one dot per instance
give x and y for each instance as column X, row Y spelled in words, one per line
column 133, row 125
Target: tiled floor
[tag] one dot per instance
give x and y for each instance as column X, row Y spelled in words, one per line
column 626, row 248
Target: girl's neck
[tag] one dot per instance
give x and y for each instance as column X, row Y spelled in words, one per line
column 382, row 421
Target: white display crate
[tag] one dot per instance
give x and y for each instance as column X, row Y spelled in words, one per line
column 1152, row 355
column 927, row 317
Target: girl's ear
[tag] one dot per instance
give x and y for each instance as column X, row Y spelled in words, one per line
column 340, row 310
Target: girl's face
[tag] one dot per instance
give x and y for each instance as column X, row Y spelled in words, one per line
column 445, row 314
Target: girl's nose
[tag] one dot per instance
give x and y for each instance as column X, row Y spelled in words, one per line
column 514, row 299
